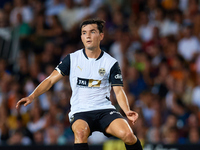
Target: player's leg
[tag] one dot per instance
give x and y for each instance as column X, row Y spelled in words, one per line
column 81, row 133
column 121, row 129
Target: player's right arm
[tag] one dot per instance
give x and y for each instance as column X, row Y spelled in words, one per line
column 41, row 88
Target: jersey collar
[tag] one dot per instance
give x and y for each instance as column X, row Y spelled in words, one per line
column 97, row 58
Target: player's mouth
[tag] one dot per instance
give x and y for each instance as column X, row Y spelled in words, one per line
column 88, row 42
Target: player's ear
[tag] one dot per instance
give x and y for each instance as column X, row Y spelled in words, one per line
column 81, row 36
column 101, row 36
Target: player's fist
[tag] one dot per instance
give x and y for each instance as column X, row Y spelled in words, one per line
column 25, row 101
column 132, row 116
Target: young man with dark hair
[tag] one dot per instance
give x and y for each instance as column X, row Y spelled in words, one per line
column 92, row 73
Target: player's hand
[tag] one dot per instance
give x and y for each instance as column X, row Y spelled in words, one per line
column 132, row 116
column 25, row 101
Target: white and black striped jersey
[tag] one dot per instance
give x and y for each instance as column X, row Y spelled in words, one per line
column 90, row 80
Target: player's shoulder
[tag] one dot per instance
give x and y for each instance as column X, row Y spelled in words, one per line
column 77, row 52
column 76, row 55
column 109, row 57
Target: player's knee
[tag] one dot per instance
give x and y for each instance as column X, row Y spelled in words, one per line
column 81, row 135
column 128, row 137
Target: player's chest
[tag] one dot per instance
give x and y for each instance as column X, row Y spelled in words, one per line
column 91, row 69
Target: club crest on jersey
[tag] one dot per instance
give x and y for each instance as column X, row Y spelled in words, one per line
column 102, row 71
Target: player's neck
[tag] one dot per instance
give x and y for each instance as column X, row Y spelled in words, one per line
column 93, row 53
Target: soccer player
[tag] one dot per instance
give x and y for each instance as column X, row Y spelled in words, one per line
column 92, row 73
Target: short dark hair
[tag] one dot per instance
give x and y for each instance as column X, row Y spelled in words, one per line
column 98, row 22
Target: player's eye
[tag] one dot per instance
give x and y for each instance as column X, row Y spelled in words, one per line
column 93, row 31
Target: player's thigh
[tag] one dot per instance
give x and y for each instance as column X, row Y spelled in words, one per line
column 120, row 128
column 81, row 128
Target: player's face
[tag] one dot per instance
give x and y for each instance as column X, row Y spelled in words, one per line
column 91, row 37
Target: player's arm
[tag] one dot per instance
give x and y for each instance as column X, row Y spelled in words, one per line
column 123, row 103
column 117, row 84
column 121, row 98
column 61, row 70
column 41, row 88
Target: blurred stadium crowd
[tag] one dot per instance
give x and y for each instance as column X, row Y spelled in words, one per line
column 156, row 43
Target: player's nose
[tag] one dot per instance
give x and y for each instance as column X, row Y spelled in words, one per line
column 88, row 35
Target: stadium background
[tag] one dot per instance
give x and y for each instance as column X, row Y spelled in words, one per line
column 155, row 41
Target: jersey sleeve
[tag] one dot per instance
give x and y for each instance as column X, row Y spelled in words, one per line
column 64, row 66
column 115, row 75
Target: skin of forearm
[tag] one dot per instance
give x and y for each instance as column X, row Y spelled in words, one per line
column 41, row 88
column 122, row 100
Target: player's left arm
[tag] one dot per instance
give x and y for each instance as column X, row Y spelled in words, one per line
column 116, row 81
column 123, row 103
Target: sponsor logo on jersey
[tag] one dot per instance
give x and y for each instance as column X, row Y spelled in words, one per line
column 88, row 82
column 94, row 83
column 102, row 71
column 82, row 82
column 118, row 76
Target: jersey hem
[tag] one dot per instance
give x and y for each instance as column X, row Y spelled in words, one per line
column 72, row 113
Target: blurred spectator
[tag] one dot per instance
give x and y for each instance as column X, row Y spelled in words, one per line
column 153, row 135
column 197, row 25
column 54, row 7
column 21, row 8
column 146, row 27
column 8, row 8
column 23, row 129
column 4, row 134
column 37, row 121
column 17, row 138
column 194, row 136
column 24, row 28
column 154, row 52
column 188, row 46
column 183, row 4
column 120, row 48
column 65, row 134
column 5, row 30
column 55, row 28
column 148, row 111
column 192, row 10
column 37, row 8
column 160, row 87
column 119, row 21
column 97, row 138
column 72, row 15
column 171, row 136
column 38, row 137
column 170, row 122
column 136, row 82
column 51, row 136
column 192, row 121
column 154, row 132
column 196, row 93
column 197, row 64
column 36, row 40
column 177, row 67
column 178, row 20
column 151, row 7
column 13, row 96
column 164, row 24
